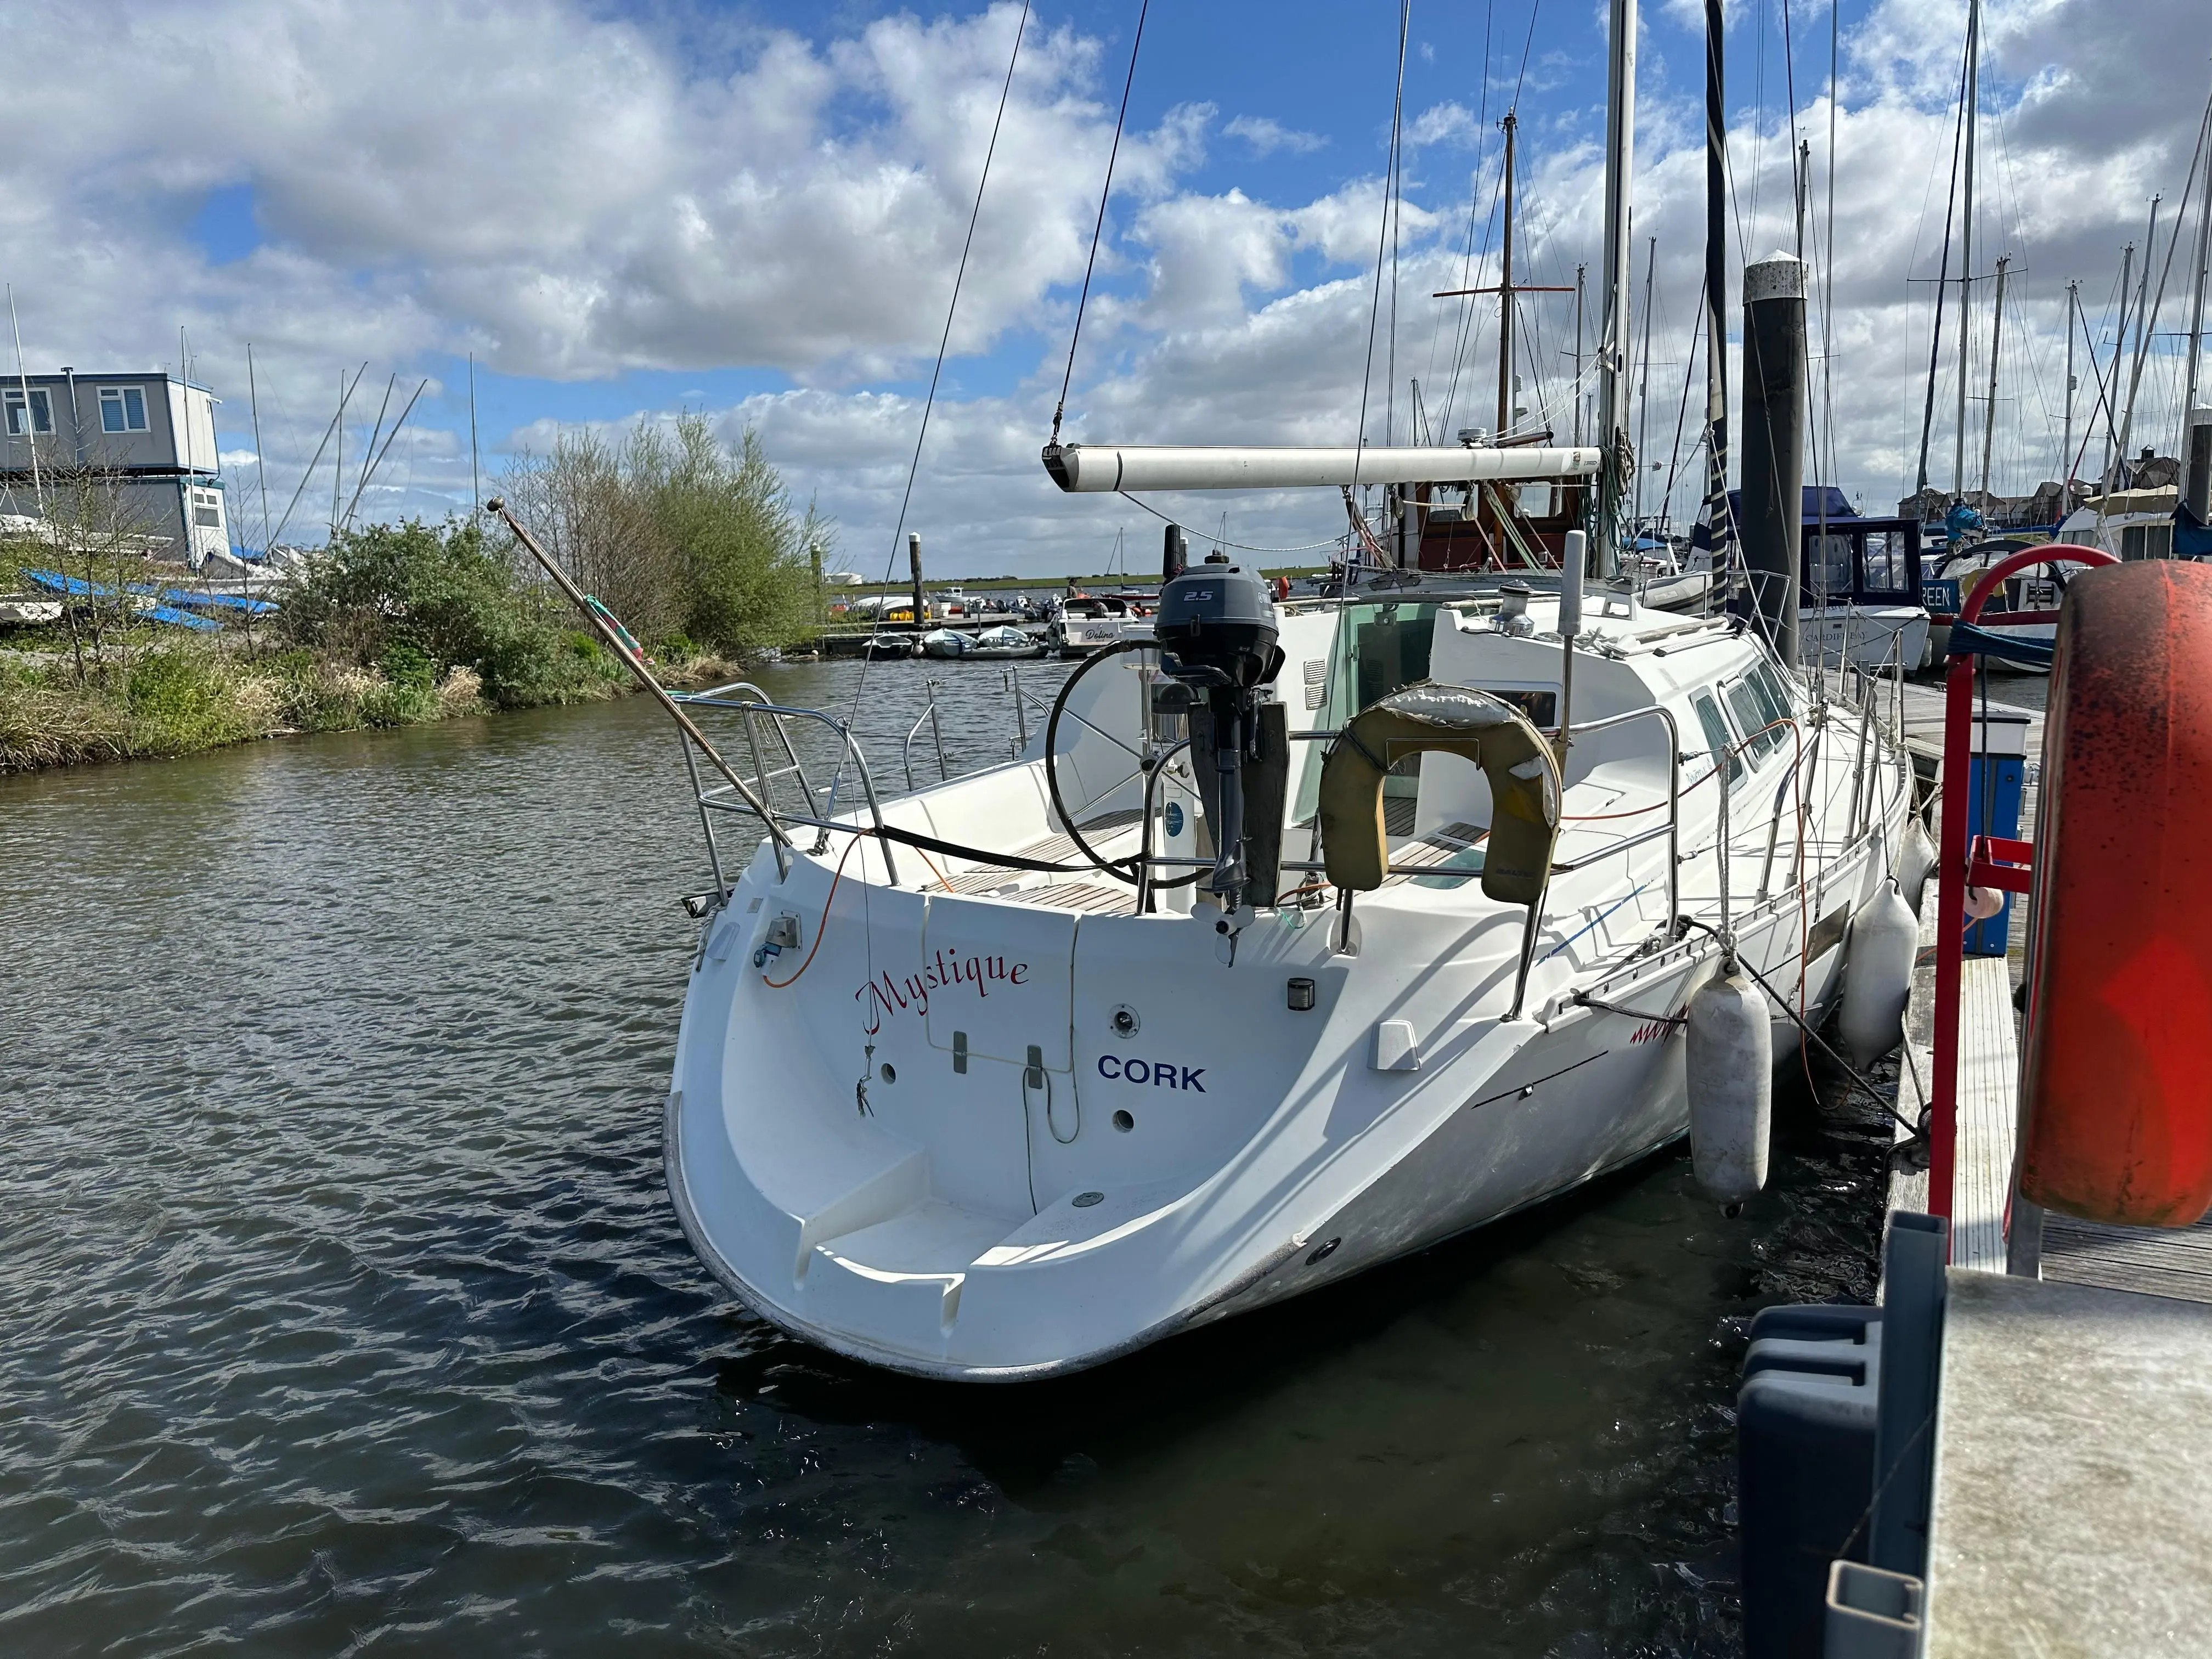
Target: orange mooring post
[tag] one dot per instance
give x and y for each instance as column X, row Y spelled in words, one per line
column 2118, row 1066
column 1952, row 857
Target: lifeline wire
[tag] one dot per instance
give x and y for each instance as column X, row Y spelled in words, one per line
column 1098, row 230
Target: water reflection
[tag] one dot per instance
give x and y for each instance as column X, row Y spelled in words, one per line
column 341, row 1304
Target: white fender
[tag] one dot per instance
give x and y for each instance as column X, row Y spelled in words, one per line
column 1729, row 1058
column 1915, row 859
column 1878, row 975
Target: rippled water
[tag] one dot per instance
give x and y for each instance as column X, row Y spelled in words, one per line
column 341, row 1307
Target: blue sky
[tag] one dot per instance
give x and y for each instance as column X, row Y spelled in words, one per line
column 753, row 212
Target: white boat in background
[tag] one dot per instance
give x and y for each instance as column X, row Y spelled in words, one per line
column 2129, row 524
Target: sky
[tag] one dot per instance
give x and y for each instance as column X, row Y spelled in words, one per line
column 755, row 212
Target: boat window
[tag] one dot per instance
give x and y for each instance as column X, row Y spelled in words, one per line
column 1720, row 742
column 1755, row 714
column 1541, row 708
column 1535, row 500
column 1888, row 569
column 2147, row 541
column 1828, row 561
column 1391, row 644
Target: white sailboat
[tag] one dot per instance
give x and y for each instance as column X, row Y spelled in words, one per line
column 1306, row 934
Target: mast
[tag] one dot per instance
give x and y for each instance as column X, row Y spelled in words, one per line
column 2196, row 293
column 2119, row 344
column 338, row 456
column 1510, row 123
column 475, row 488
column 1966, row 237
column 1644, row 393
column 260, row 457
column 2142, row 331
column 2066, row 446
column 1719, row 528
column 1996, row 333
column 1579, row 394
column 1802, row 188
column 1613, row 330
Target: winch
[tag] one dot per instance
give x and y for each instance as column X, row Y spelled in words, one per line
column 1217, row 631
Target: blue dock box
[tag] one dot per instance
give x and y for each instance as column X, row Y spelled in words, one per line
column 1995, row 778
column 1804, row 1428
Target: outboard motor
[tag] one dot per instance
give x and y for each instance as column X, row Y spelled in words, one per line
column 1217, row 631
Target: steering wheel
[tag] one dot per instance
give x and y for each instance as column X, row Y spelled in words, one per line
column 1125, row 870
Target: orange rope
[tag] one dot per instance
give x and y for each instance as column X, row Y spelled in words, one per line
column 778, row 984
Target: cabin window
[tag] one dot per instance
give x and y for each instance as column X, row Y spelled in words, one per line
column 122, row 408
column 1539, row 709
column 1535, row 500
column 2147, row 541
column 1830, row 561
column 1391, row 644
column 41, row 416
column 1888, row 570
column 1757, row 705
column 1720, row 742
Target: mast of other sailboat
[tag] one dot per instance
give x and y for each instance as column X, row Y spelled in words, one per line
column 1966, row 240
column 1613, row 329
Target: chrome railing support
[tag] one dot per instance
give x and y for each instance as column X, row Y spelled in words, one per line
column 1534, row 926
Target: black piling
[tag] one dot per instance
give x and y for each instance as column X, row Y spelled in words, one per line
column 1773, row 443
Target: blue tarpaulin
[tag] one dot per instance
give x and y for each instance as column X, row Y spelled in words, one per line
column 78, row 588
column 2005, row 644
column 2191, row 539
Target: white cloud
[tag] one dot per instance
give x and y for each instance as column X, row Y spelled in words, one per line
column 1267, row 135
column 569, row 196
column 1443, row 123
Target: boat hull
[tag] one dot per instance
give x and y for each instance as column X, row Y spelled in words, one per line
column 827, row 1213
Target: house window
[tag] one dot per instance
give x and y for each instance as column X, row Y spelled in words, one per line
column 41, row 417
column 207, row 509
column 122, row 408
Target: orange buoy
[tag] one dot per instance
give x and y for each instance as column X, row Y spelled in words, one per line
column 2118, row 1074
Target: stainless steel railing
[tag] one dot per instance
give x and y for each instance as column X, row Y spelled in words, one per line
column 725, row 797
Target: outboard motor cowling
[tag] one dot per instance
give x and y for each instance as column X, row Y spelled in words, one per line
column 1217, row 631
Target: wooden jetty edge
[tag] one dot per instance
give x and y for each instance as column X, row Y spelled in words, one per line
column 2070, row 1487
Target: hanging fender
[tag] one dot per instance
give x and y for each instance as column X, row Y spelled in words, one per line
column 2118, row 1066
column 1451, row 719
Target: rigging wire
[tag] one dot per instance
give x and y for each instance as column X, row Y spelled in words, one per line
column 1097, row 230
column 922, row 434
column 1242, row 547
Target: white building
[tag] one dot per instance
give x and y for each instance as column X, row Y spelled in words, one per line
column 154, row 434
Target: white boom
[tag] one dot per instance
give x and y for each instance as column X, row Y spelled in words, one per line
column 1092, row 467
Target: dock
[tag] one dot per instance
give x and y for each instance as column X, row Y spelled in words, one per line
column 2069, row 1483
